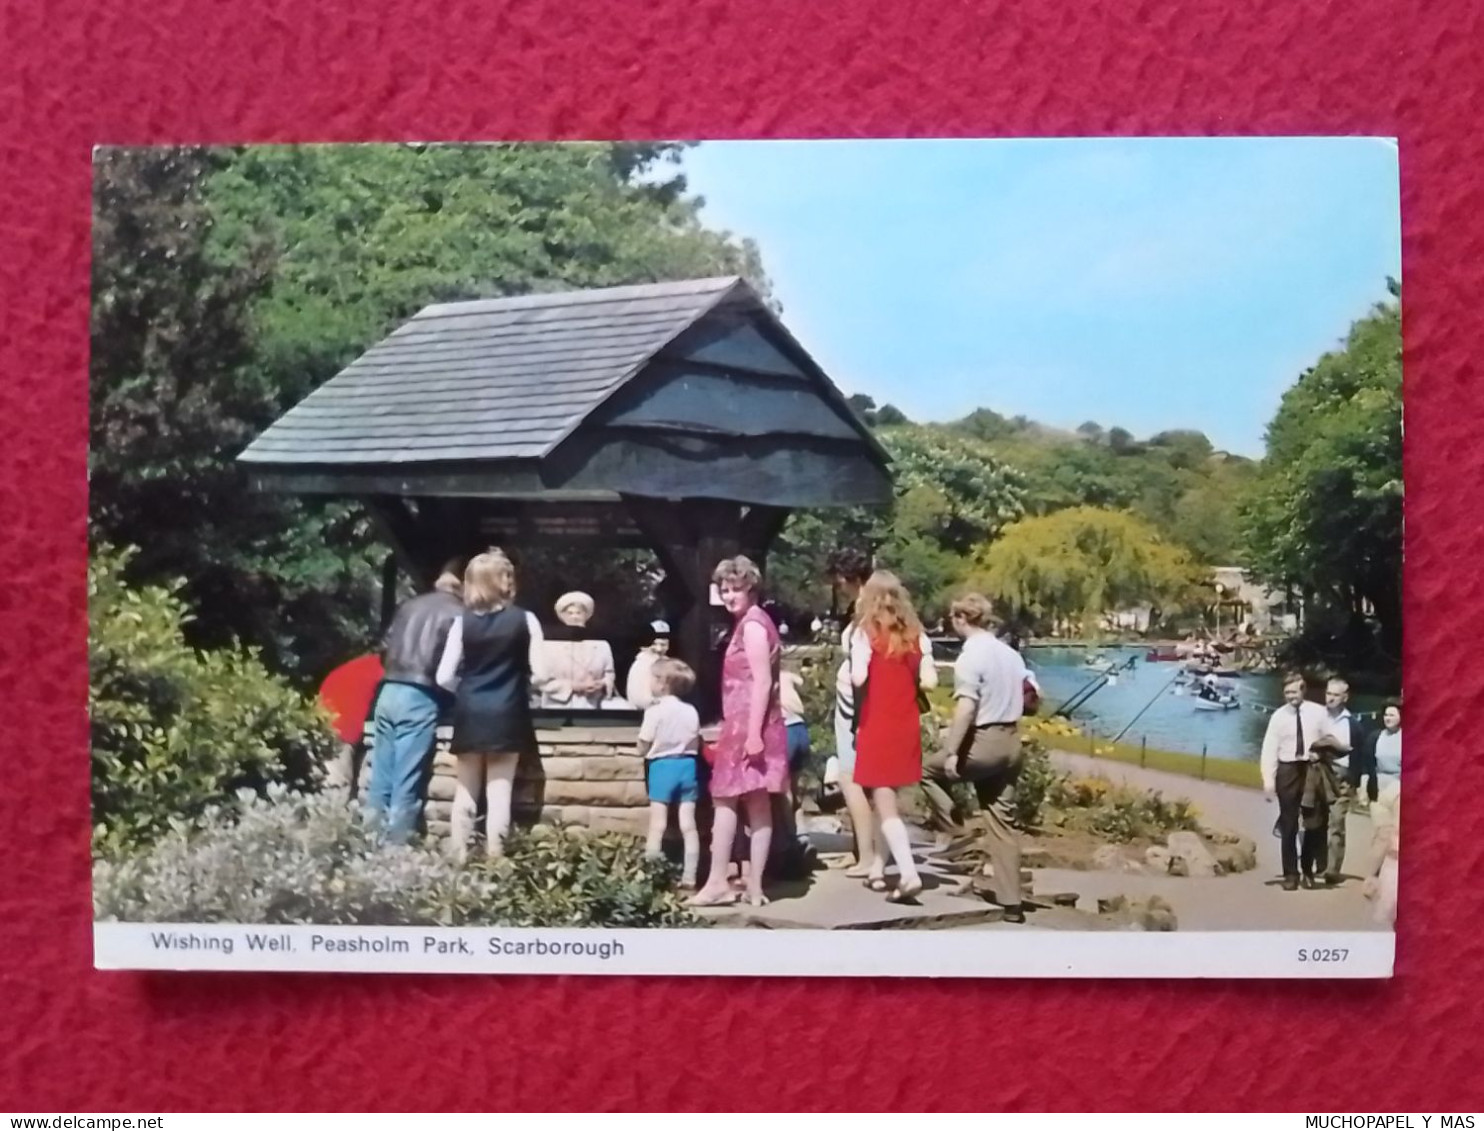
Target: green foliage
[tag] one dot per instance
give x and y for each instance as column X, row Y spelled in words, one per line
column 177, row 390
column 1037, row 778
column 1046, row 797
column 292, row 857
column 368, row 234
column 174, row 730
column 1082, row 562
column 951, row 493
column 554, row 877
column 1115, row 812
column 1326, row 514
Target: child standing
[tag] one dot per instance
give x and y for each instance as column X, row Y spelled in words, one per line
column 670, row 740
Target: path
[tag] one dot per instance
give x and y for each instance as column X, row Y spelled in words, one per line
column 1251, row 900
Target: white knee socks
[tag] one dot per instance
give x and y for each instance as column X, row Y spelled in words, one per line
column 894, row 832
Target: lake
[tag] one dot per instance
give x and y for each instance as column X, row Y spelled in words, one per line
column 1170, row 721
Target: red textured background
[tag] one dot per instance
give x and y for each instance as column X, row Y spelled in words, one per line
column 131, row 71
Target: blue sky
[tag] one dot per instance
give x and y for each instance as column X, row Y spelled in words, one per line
column 1152, row 284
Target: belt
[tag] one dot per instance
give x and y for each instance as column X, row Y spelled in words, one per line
column 986, row 726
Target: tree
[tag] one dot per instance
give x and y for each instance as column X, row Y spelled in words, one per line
column 1083, row 562
column 1325, row 515
column 950, row 494
column 984, row 424
column 229, row 283
column 864, row 406
column 889, row 414
column 176, row 392
column 1121, row 441
column 1091, row 430
column 1185, row 449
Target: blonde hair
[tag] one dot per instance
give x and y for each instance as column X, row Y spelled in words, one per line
column 741, row 571
column 974, row 609
column 489, row 582
column 675, row 676
column 884, row 612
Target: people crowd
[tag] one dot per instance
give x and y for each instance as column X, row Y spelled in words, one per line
column 1316, row 759
column 467, row 650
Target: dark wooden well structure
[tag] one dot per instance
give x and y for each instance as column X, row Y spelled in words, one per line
column 681, row 417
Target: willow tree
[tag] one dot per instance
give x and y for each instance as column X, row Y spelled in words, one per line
column 1081, row 563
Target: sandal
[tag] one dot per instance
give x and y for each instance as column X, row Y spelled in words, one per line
column 726, row 899
column 907, row 894
column 758, row 900
column 876, row 883
column 857, row 871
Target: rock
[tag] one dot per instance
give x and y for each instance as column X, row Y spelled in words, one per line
column 1112, row 905
column 827, row 825
column 1239, row 855
column 440, row 788
column 1189, row 847
column 1064, row 899
column 1178, row 867
column 1109, row 857
column 1158, row 857
column 1152, row 918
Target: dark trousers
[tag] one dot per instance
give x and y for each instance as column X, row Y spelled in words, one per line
column 1300, row 845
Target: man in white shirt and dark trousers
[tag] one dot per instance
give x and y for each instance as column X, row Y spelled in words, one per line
column 1287, row 758
column 982, row 745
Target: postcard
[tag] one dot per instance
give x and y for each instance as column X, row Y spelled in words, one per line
column 852, row 558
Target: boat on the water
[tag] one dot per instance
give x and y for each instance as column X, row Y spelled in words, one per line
column 1162, row 656
column 1228, row 703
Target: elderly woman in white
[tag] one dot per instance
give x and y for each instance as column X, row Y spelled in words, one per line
column 579, row 673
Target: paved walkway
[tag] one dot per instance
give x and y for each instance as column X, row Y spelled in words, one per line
column 1253, row 900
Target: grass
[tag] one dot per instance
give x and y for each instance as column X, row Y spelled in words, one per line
column 1058, row 734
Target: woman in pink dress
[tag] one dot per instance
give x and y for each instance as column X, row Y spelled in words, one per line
column 751, row 754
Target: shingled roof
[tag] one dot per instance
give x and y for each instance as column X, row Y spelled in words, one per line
column 665, row 390
column 494, row 379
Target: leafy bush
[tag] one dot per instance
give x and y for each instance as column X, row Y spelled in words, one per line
column 1037, row 778
column 1045, row 795
column 1117, row 812
column 175, row 730
column 291, row 857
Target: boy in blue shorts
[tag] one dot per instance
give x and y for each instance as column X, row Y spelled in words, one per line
column 670, row 740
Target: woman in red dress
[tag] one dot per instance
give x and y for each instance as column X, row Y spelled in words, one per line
column 888, row 667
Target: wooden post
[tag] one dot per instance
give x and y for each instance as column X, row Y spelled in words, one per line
column 388, row 591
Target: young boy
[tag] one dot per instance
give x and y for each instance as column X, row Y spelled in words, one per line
column 670, row 739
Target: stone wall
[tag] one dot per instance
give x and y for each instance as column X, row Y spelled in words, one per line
column 587, row 776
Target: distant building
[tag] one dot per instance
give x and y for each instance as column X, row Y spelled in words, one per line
column 1241, row 600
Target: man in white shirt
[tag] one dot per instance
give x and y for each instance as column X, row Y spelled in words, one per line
column 982, row 744
column 1287, row 755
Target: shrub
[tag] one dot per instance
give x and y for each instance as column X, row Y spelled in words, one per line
column 1118, row 812
column 1037, row 778
column 175, row 730
column 289, row 857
